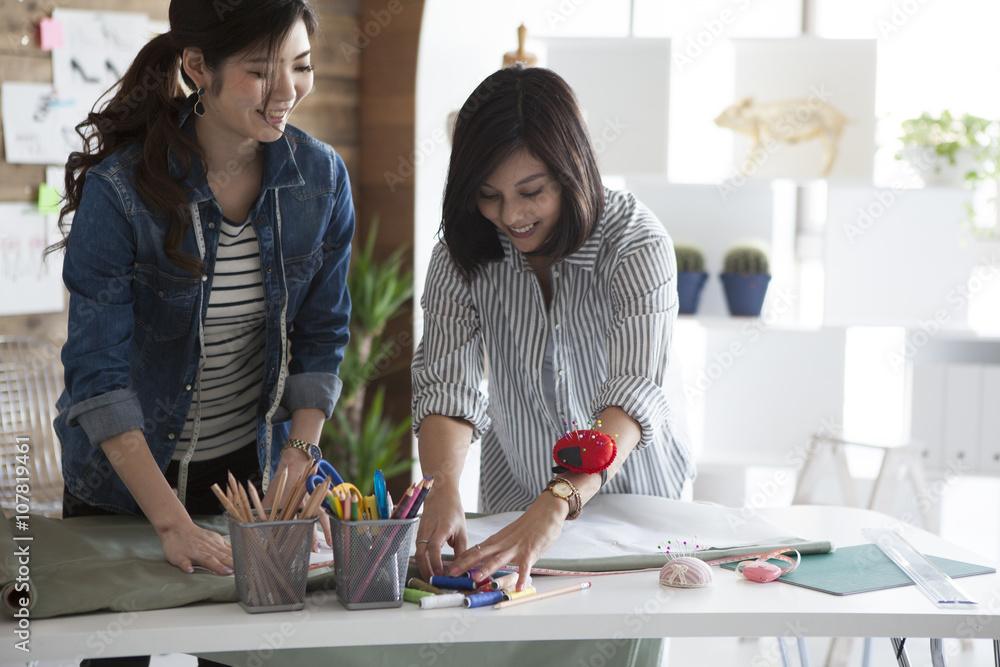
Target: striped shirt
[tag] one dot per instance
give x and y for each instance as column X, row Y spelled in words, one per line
column 614, row 303
column 234, row 349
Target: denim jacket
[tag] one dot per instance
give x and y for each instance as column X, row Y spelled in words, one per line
column 133, row 356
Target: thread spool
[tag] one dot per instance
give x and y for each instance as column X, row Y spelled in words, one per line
column 442, row 601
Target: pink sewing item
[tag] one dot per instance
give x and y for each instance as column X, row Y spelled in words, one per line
column 762, row 571
column 686, row 572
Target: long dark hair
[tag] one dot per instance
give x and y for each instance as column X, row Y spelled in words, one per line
column 150, row 97
column 519, row 108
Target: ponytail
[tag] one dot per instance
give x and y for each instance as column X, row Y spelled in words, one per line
column 146, row 108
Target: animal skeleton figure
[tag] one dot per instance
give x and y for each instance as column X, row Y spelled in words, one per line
column 790, row 121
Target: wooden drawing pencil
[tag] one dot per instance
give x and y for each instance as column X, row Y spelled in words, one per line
column 277, row 496
column 583, row 585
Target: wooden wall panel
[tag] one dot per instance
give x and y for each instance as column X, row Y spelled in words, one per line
column 388, row 117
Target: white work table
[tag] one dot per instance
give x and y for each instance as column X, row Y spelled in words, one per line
column 619, row 605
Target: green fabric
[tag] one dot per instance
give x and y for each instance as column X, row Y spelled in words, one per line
column 444, row 653
column 864, row 568
column 115, row 563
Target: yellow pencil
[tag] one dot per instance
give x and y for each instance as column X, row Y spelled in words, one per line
column 583, row 585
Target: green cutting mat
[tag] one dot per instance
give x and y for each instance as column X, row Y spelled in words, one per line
column 860, row 569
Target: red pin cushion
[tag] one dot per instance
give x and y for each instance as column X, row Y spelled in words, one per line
column 585, row 451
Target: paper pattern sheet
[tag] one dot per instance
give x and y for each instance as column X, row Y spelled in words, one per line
column 621, row 525
column 28, row 284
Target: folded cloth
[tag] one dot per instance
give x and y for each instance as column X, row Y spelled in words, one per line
column 111, row 563
column 624, row 532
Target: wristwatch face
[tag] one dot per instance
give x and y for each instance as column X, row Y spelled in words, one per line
column 562, row 490
column 314, row 452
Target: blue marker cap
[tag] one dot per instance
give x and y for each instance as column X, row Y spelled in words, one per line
column 380, row 495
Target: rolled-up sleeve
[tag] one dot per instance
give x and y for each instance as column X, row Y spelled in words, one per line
column 449, row 362
column 97, row 272
column 644, row 294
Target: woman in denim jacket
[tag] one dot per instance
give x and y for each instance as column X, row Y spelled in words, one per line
column 206, row 267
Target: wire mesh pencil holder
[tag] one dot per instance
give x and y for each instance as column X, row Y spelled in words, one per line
column 370, row 560
column 271, row 563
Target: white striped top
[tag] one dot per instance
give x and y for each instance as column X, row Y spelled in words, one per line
column 234, row 348
column 614, row 304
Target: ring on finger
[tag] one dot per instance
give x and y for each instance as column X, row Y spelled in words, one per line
column 423, row 541
column 479, row 547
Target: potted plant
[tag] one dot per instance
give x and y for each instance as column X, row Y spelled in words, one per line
column 360, row 438
column 949, row 151
column 691, row 277
column 745, row 278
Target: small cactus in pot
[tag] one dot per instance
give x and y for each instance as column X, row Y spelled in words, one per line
column 745, row 276
column 691, row 277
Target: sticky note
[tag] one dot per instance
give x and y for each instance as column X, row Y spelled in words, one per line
column 48, row 199
column 51, row 34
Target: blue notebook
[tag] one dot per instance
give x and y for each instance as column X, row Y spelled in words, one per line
column 860, row 569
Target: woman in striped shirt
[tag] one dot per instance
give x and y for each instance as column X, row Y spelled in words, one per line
column 565, row 291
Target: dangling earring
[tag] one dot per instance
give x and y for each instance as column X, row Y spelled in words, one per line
column 199, row 107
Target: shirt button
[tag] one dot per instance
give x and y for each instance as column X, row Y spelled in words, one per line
column 555, row 273
column 260, row 218
column 171, row 436
column 161, row 294
column 211, row 225
column 272, row 369
column 204, row 278
column 274, row 320
column 187, row 387
column 561, row 372
column 557, row 326
column 269, row 269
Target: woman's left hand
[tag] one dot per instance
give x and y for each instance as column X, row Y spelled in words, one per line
column 521, row 543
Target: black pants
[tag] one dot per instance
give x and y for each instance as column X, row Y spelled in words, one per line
column 199, row 500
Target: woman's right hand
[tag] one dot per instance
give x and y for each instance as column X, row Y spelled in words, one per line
column 187, row 544
column 442, row 521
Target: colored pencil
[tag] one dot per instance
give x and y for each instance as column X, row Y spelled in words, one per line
column 428, row 483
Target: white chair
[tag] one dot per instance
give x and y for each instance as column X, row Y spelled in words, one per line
column 31, row 379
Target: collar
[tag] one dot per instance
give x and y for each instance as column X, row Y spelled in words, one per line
column 585, row 257
column 280, row 168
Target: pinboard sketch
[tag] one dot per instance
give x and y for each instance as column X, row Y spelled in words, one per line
column 789, row 121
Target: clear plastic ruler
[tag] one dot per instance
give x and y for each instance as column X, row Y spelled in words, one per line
column 932, row 582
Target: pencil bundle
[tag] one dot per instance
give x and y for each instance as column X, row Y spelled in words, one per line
column 244, row 505
column 271, row 557
column 414, row 497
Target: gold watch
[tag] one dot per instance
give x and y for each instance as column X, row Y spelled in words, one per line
column 312, row 451
column 563, row 488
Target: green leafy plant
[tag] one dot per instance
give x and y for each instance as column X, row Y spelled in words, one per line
column 948, row 137
column 746, row 259
column 359, row 440
column 690, row 258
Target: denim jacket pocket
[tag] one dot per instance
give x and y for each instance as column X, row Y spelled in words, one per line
column 302, row 269
column 164, row 304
